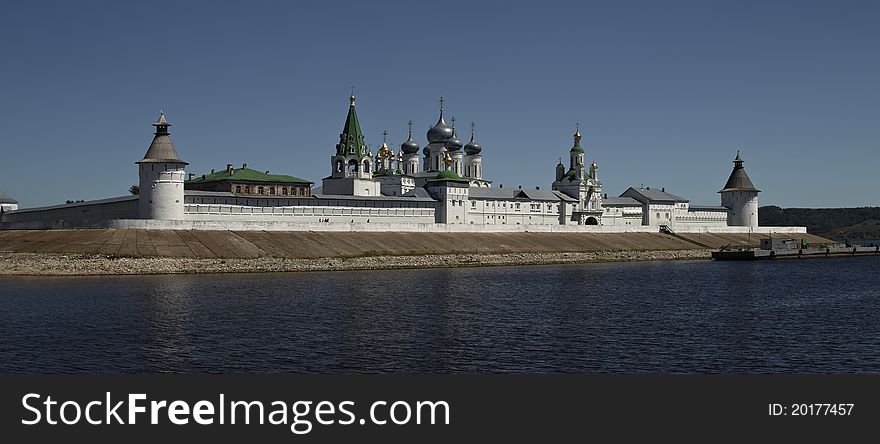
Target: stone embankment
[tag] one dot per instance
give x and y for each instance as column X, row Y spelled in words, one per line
column 135, row 251
column 54, row 264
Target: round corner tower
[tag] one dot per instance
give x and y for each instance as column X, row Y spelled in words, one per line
column 740, row 197
column 161, row 174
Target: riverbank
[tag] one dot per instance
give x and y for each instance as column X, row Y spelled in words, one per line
column 53, row 264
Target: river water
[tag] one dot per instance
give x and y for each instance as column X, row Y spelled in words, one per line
column 806, row 316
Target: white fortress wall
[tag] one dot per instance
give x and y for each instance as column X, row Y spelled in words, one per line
column 306, row 214
column 125, row 207
column 427, row 227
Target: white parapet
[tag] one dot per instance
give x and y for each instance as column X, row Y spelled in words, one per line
column 274, row 224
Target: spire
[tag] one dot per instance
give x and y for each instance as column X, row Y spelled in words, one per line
column 161, row 149
column 352, row 138
column 739, row 180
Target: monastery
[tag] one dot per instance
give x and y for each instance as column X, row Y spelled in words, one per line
column 440, row 187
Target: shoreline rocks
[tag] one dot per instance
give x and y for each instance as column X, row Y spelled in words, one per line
column 59, row 264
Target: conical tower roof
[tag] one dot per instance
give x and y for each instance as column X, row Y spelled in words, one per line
column 161, row 149
column 739, row 180
column 352, row 138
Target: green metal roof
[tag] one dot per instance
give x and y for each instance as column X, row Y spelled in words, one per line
column 389, row 173
column 570, row 175
column 450, row 176
column 247, row 175
column 352, row 134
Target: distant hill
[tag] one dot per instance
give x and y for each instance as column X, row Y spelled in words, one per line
column 833, row 223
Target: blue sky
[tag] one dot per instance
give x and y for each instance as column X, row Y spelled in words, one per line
column 666, row 92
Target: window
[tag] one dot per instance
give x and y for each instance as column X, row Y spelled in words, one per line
column 284, row 191
column 352, row 166
column 260, row 190
column 658, row 215
column 238, row 189
column 366, row 166
column 338, row 166
column 272, row 190
column 247, row 189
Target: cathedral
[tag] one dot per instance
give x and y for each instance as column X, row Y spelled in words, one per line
column 415, row 188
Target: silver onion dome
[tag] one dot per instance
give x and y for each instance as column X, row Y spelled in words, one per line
column 410, row 146
column 454, row 143
column 440, row 132
column 472, row 147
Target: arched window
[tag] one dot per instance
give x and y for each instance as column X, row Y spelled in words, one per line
column 667, row 215
column 366, row 166
column 352, row 166
column 338, row 166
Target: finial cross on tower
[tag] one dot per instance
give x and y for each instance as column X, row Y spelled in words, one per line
column 453, row 122
column 384, row 137
column 441, row 103
column 472, row 129
column 410, row 128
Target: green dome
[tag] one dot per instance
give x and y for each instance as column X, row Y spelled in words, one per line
column 448, row 175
